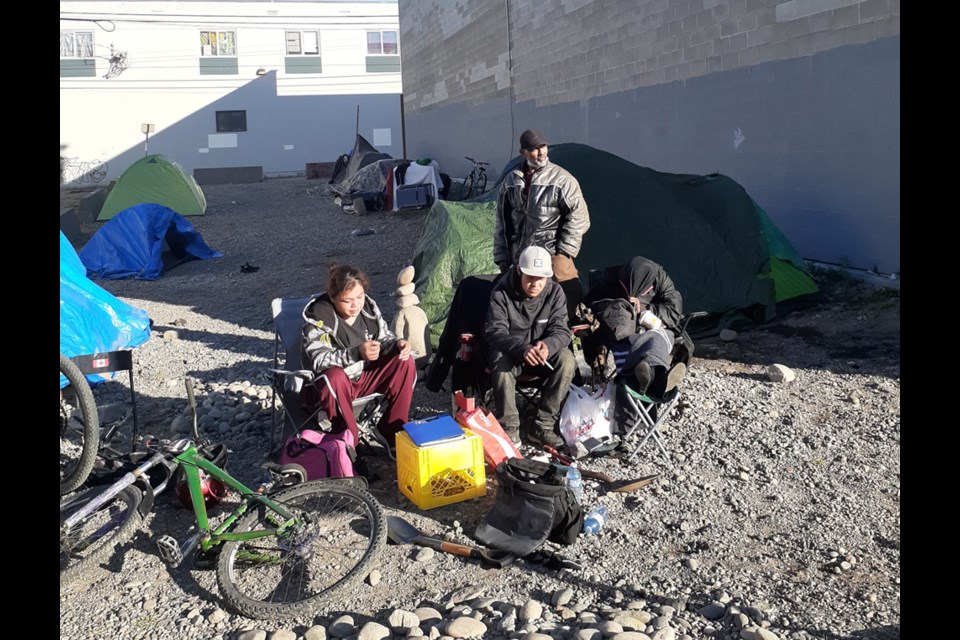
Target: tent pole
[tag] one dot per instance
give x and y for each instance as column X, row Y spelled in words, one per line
column 357, row 132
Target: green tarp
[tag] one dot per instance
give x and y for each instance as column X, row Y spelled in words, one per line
column 720, row 248
column 155, row 179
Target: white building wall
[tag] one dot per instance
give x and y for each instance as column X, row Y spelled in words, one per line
column 100, row 119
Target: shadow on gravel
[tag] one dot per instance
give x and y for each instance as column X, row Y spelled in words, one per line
column 888, row 632
column 243, row 344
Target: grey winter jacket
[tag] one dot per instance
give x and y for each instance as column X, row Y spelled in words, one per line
column 321, row 347
column 554, row 215
column 514, row 321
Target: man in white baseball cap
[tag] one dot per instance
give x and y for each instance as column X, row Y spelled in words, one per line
column 527, row 331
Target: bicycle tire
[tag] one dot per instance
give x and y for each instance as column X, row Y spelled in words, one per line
column 482, row 184
column 343, row 535
column 466, row 191
column 96, row 538
column 76, row 462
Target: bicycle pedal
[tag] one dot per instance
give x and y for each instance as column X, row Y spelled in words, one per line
column 170, row 550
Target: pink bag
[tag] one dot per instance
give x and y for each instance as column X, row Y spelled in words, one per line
column 322, row 455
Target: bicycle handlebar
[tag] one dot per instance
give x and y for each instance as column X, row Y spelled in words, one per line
column 475, row 162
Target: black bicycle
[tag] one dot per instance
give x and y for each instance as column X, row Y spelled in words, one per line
column 79, row 426
column 476, row 182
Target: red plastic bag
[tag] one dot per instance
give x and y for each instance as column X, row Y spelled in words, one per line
column 497, row 445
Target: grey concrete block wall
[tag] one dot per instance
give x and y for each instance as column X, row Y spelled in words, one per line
column 813, row 86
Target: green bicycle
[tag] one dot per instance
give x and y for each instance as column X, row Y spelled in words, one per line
column 279, row 554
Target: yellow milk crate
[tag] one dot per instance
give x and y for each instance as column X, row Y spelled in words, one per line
column 441, row 473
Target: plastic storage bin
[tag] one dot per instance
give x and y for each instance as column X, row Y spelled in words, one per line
column 442, row 473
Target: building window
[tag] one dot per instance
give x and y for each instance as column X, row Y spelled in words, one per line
column 218, row 53
column 382, row 43
column 76, row 55
column 231, row 121
column 76, row 44
column 218, row 43
column 303, row 43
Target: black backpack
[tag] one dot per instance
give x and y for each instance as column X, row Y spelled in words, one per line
column 532, row 505
column 617, row 318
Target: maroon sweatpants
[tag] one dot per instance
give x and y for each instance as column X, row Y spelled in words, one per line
column 389, row 375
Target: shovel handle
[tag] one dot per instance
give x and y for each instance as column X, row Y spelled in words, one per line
column 457, row 549
column 446, row 547
column 587, row 473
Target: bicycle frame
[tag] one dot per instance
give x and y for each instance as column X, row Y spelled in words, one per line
column 192, row 462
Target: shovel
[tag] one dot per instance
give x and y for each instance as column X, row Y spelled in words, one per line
column 402, row 532
column 617, row 486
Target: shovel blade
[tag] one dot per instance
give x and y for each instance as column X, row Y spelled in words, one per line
column 400, row 531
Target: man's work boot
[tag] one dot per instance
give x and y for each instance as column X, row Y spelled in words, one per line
column 542, row 436
column 675, row 376
column 644, row 375
column 513, row 432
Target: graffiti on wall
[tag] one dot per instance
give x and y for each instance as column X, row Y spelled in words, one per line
column 77, row 171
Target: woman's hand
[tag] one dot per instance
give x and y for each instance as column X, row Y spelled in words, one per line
column 639, row 306
column 370, row 350
column 404, row 347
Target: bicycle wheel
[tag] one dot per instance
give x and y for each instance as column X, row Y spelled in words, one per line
column 466, row 191
column 96, row 537
column 482, row 184
column 341, row 534
column 79, row 427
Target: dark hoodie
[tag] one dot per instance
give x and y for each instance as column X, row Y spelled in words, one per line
column 645, row 280
column 514, row 321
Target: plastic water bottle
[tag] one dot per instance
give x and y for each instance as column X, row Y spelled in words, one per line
column 574, row 482
column 595, row 520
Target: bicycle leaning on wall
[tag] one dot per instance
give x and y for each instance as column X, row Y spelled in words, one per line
column 476, row 182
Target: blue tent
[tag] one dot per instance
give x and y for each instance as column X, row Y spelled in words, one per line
column 131, row 244
column 91, row 319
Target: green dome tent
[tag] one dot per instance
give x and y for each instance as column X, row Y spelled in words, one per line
column 155, row 179
column 720, row 248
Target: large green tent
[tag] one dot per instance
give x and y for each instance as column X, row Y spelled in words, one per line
column 159, row 180
column 720, row 248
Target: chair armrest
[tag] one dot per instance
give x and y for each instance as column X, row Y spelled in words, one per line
column 294, row 380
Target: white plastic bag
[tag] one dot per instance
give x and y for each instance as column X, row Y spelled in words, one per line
column 585, row 418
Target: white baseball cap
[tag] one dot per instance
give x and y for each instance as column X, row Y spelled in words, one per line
column 535, row 261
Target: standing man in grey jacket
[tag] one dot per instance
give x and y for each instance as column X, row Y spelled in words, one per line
column 540, row 204
column 527, row 332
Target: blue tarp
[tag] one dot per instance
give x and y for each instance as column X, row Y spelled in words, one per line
column 91, row 319
column 130, row 245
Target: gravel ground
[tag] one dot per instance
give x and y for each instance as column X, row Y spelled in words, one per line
column 777, row 516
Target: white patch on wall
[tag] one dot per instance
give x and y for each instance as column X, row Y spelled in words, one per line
column 382, row 138
column 288, row 147
column 203, row 150
column 738, row 138
column 222, row 140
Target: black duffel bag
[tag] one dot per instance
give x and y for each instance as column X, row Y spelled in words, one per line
column 525, row 513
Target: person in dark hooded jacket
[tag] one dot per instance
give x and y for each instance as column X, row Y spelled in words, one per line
column 527, row 331
column 639, row 310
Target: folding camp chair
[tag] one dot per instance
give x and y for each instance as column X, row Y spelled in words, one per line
column 649, row 410
column 289, row 378
column 109, row 362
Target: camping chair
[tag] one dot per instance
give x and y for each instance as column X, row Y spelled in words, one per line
column 289, row 378
column 109, row 362
column 649, row 411
column 462, row 351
